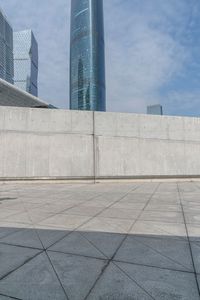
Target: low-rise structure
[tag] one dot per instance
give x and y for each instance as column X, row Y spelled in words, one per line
column 155, row 109
column 10, row 95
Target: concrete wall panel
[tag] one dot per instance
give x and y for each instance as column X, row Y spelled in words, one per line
column 117, row 156
column 14, row 158
column 37, row 155
column 15, row 119
column 71, row 155
column 57, row 143
column 2, row 147
column 117, row 124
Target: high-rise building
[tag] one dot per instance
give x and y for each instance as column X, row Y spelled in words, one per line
column 155, row 109
column 87, row 56
column 26, row 61
column 6, row 49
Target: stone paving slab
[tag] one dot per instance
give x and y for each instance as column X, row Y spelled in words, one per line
column 115, row 284
column 109, row 241
column 25, row 238
column 34, row 280
column 163, row 284
column 158, row 252
column 12, row 257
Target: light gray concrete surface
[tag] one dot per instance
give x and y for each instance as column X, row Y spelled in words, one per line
column 69, row 241
column 40, row 143
column 12, row 96
column 45, row 143
column 144, row 145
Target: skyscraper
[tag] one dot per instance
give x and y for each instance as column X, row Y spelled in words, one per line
column 6, row 50
column 155, row 109
column 26, row 61
column 87, row 56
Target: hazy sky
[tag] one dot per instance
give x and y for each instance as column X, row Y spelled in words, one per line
column 152, row 51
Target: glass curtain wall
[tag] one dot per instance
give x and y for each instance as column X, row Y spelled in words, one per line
column 87, row 56
column 26, row 61
column 6, row 50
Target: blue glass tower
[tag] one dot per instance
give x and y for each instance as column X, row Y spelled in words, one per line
column 87, row 56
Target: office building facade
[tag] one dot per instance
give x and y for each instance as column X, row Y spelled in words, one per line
column 87, row 56
column 26, row 61
column 155, row 109
column 6, row 49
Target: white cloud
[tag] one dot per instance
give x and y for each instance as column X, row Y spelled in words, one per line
column 183, row 103
column 145, row 48
column 141, row 58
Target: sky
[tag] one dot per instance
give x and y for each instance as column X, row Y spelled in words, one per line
column 152, row 51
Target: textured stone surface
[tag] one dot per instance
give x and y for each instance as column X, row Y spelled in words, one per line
column 116, row 241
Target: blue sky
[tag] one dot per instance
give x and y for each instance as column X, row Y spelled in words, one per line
column 152, row 51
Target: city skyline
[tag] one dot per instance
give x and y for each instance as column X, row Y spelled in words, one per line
column 87, row 58
column 152, row 52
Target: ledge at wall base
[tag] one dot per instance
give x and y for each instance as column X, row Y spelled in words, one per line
column 91, row 180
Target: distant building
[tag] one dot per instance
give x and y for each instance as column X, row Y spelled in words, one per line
column 6, row 50
column 87, row 56
column 155, row 109
column 26, row 61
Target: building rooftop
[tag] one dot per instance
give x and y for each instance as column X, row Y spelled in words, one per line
column 121, row 241
column 13, row 96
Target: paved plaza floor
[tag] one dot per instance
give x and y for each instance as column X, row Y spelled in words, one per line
column 109, row 241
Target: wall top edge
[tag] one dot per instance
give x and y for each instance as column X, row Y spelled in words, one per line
column 100, row 114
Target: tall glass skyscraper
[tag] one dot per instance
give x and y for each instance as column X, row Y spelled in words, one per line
column 87, row 56
column 26, row 61
column 6, row 50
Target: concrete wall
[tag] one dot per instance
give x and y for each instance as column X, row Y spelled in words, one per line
column 45, row 143
column 144, row 145
column 40, row 143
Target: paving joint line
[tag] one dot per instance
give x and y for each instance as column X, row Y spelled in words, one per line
column 167, row 237
column 110, row 260
column 151, row 266
column 172, row 260
column 36, row 229
column 10, row 297
column 90, row 219
column 138, row 217
column 43, row 251
column 119, row 261
column 27, row 261
column 10, row 233
column 58, row 278
column 97, row 279
column 21, row 246
column 79, row 255
column 133, row 280
column 161, row 221
column 125, row 236
column 191, row 252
